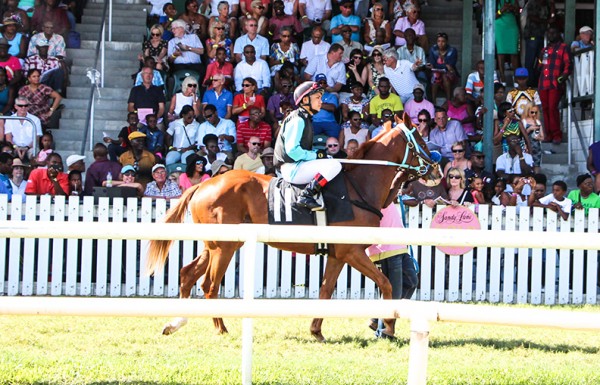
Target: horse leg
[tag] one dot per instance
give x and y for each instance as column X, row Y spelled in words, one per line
column 330, row 276
column 189, row 275
column 220, row 256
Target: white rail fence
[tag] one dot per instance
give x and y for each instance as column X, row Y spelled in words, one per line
column 99, row 265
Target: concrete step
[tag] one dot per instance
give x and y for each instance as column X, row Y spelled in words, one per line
column 96, row 9
column 117, row 37
column 116, row 28
column 112, row 79
column 109, row 65
column 106, row 114
column 100, row 3
column 122, row 17
column 101, row 104
column 111, row 93
column 126, row 68
column 77, row 54
column 72, row 128
column 111, row 45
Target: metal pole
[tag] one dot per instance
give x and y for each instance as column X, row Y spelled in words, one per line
column 34, row 142
column 92, row 112
column 488, row 90
column 247, row 323
column 110, row 6
column 467, row 41
column 570, row 83
column 102, row 55
column 596, row 135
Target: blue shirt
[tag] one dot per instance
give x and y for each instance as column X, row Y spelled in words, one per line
column 221, row 102
column 341, row 20
column 154, row 138
column 323, row 115
column 5, row 186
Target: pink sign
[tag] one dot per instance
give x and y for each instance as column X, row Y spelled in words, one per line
column 455, row 217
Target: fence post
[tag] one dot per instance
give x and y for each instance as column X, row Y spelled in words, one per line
column 247, row 323
column 419, row 346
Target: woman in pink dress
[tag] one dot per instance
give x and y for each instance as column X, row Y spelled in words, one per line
column 459, row 109
column 195, row 172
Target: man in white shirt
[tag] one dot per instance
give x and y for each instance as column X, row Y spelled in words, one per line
column 251, row 67
column 21, row 133
column 401, row 74
column 314, row 47
column 330, row 65
column 224, row 129
column 515, row 161
column 260, row 44
column 315, row 13
column 184, row 50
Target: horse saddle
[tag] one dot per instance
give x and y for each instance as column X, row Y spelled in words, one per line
column 283, row 195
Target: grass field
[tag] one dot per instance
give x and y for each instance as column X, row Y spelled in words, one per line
column 98, row 351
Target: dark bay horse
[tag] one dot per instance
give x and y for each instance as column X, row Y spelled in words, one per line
column 241, row 197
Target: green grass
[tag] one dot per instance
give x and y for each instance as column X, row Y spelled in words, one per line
column 79, row 350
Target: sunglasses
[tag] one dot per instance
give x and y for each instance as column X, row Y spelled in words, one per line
column 192, row 85
column 357, row 119
column 454, row 177
column 423, row 120
column 285, row 86
column 377, row 9
column 286, row 35
column 479, row 156
column 219, row 27
column 252, row 25
column 249, row 52
column 199, row 162
column 217, row 80
column 155, row 34
column 208, row 116
column 332, row 145
column 255, row 143
column 377, row 54
column 346, row 31
column 461, row 150
column 357, row 57
column 387, row 115
column 129, row 173
column 246, row 85
column 511, row 110
column 259, row 7
column 22, row 105
column 533, row 112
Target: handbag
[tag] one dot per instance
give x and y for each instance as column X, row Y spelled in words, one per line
column 73, row 39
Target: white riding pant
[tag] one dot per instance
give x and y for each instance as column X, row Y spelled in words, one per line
column 304, row 172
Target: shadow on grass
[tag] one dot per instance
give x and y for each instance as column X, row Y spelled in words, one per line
column 502, row 344
column 351, row 340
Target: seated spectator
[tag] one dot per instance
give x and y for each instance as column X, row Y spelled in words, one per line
column 356, row 71
column 535, row 131
column 476, row 187
column 56, row 43
column 46, row 147
column 375, row 70
column 224, row 129
column 593, row 164
column 522, row 94
column 49, row 10
column 181, row 136
column 156, row 47
column 219, row 167
column 411, row 20
column 460, row 110
column 22, row 133
column 401, row 74
column 7, row 94
column 474, row 85
column 225, row 14
column 220, row 68
column 213, row 152
column 515, row 161
column 50, row 67
column 285, row 108
column 333, row 149
column 457, row 191
column 357, row 130
column 219, row 97
column 6, row 161
column 247, row 99
column 585, row 39
column 376, row 22
column 121, row 144
column 348, row 44
column 520, row 190
column 423, row 191
column 155, row 138
column 157, row 79
column 13, row 11
column 287, row 71
column 540, row 186
column 509, row 124
column 257, row 12
column 331, row 65
column 249, row 160
column 39, row 96
column 266, row 158
column 556, row 201
column 188, row 96
column 75, row 163
column 184, row 50
column 49, row 181
column 96, row 173
column 254, row 127
column 314, row 47
column 355, row 102
column 281, row 22
column 351, row 148
column 195, row 22
column 459, row 161
column 324, row 121
column 583, row 197
column 384, row 100
column 14, row 70
column 195, row 172
column 218, row 39
column 127, row 175
column 76, row 183
column 386, row 116
column 283, row 51
column 443, row 58
column 447, row 133
column 424, row 126
column 415, row 54
column 418, row 103
column 259, row 43
column 141, row 159
column 18, row 182
column 146, row 98
column 477, row 167
column 254, row 68
column 501, row 197
column 284, row 95
column 345, row 20
column 161, row 187
column 315, row 13
column 16, row 40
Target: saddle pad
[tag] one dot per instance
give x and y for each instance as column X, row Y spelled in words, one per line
column 283, row 211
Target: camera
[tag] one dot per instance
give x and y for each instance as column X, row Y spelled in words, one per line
column 56, row 167
column 318, row 20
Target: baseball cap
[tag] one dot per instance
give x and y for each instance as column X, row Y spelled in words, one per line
column 419, row 86
column 521, row 72
column 72, row 159
column 157, row 166
column 585, row 28
column 136, row 135
column 128, row 168
column 320, row 77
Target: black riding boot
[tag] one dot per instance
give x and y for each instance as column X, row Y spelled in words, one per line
column 307, row 197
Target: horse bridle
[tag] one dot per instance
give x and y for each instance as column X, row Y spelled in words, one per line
column 413, row 146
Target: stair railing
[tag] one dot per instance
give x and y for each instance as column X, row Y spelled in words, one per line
column 96, row 77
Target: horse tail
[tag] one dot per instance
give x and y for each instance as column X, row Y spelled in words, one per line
column 158, row 250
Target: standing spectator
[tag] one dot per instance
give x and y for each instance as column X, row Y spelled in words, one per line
column 533, row 127
column 247, row 99
column 514, row 162
column 539, row 15
column 583, row 197
column 376, row 22
column 585, row 39
column 21, row 133
column 447, row 133
column 121, row 144
column 50, row 67
column 324, row 121
column 315, row 13
column 141, row 159
column 507, row 42
column 556, row 201
column 49, row 181
column 184, row 50
column 259, row 43
column 49, row 10
column 249, row 160
column 401, row 74
column 331, row 65
column 522, row 95
column 223, row 128
column 284, row 51
column 161, row 187
column 155, row 138
column 385, row 100
column 147, row 98
column 281, row 20
column 509, row 124
column 39, row 96
column 17, row 181
column 443, row 58
column 345, row 19
column 314, row 47
column 555, row 68
column 418, row 103
column 411, row 20
column 14, row 71
column 195, row 172
column 253, row 127
column 188, row 96
column 219, row 97
column 254, row 68
column 219, row 67
column 181, row 137
column 56, row 43
column 96, row 173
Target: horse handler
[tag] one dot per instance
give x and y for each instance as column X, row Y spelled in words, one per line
column 299, row 163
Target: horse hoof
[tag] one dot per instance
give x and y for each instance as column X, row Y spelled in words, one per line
column 174, row 325
column 373, row 324
column 318, row 336
column 168, row 330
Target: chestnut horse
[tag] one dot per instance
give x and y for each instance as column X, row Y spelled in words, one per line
column 241, row 196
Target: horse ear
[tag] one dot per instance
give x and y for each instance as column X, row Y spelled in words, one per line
column 387, row 125
column 407, row 120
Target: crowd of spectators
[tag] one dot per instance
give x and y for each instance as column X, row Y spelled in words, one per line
column 216, row 80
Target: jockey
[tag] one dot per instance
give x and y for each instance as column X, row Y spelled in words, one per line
column 299, row 163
